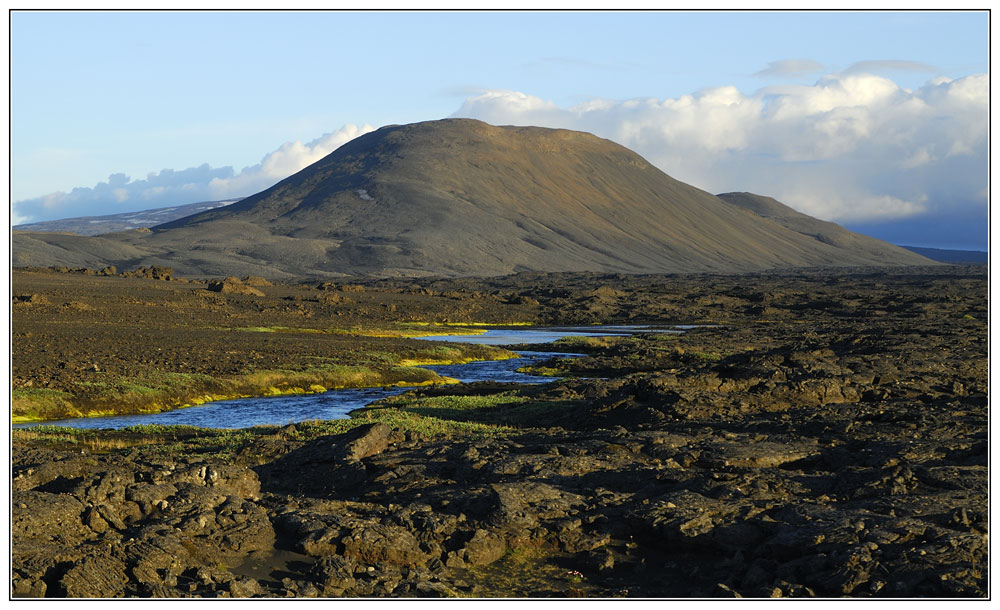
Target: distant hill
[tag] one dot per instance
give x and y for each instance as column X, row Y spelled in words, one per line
column 820, row 230
column 968, row 257
column 113, row 223
column 461, row 197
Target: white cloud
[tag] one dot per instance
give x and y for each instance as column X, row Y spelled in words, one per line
column 17, row 218
column 790, row 67
column 854, row 205
column 174, row 187
column 852, row 147
column 278, row 165
column 501, row 107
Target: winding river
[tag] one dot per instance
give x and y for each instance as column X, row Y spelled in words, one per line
column 336, row 404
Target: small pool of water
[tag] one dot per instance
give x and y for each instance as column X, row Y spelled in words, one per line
column 336, row 404
column 525, row 336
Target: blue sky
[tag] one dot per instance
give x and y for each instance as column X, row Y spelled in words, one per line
column 868, row 119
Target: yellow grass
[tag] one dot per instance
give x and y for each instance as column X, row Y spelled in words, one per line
column 31, row 407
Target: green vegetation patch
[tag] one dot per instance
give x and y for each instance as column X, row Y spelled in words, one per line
column 555, row 367
column 430, row 426
column 164, row 438
column 170, row 441
column 702, row 356
column 584, row 343
column 39, row 404
column 455, row 354
column 505, row 411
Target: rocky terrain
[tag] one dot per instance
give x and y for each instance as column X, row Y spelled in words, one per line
column 818, row 435
column 460, row 197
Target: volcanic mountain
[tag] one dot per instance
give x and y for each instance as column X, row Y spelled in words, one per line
column 461, row 197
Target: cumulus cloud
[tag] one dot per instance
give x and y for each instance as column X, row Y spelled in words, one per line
column 16, row 218
column 852, row 147
column 278, row 165
column 175, row 187
column 790, row 67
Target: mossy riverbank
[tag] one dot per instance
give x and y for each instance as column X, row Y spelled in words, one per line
column 105, row 394
column 477, row 416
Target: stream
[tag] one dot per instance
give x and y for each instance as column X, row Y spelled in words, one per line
column 336, row 404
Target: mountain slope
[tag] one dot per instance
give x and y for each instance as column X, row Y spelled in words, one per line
column 460, row 197
column 822, row 231
column 55, row 249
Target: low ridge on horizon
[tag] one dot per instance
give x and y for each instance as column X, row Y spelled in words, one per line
column 461, row 197
column 121, row 221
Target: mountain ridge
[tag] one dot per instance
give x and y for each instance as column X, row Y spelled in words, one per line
column 122, row 221
column 461, row 197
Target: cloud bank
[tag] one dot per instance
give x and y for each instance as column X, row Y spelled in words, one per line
column 175, row 187
column 852, row 148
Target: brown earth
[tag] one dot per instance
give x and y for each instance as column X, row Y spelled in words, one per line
column 827, row 437
column 90, row 335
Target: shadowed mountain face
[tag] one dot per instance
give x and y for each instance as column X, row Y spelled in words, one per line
column 460, row 197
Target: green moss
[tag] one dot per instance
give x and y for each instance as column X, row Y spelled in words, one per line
column 584, row 343
column 427, row 424
column 152, row 429
column 38, row 404
column 556, row 367
column 506, row 411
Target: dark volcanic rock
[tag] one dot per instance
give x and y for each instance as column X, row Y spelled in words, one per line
column 383, row 544
column 47, row 516
column 100, row 576
column 365, row 441
column 152, row 272
column 833, row 443
column 234, row 285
